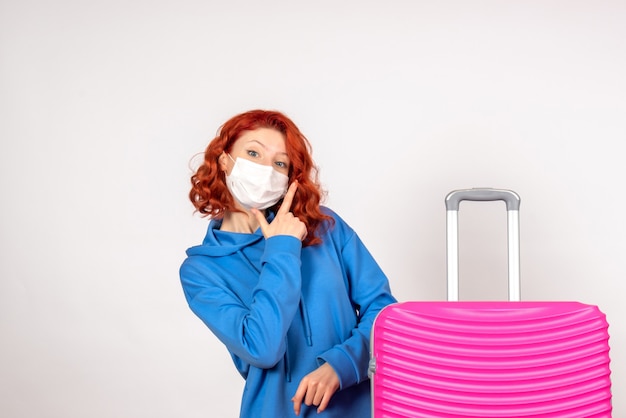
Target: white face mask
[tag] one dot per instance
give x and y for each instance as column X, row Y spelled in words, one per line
column 256, row 185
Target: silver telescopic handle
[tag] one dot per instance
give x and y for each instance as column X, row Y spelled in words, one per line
column 512, row 201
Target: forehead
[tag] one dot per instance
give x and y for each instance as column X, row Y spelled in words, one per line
column 268, row 138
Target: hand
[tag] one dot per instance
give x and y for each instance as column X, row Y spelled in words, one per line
column 318, row 386
column 284, row 223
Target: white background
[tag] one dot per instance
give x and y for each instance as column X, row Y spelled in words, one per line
column 104, row 103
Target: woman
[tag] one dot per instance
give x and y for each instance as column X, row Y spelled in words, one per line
column 283, row 282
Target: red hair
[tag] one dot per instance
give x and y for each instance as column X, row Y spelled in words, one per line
column 211, row 197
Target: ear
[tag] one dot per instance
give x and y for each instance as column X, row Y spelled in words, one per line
column 223, row 161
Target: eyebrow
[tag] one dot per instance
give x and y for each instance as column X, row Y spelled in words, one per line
column 264, row 147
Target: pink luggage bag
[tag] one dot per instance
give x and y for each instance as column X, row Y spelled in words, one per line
column 489, row 359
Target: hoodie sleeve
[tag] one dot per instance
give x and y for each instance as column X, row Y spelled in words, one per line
column 254, row 332
column 370, row 292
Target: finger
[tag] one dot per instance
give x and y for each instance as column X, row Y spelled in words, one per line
column 297, row 398
column 288, row 199
column 320, row 392
column 324, row 403
column 261, row 219
column 309, row 399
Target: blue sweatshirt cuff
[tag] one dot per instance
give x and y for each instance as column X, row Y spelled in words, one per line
column 283, row 243
column 343, row 366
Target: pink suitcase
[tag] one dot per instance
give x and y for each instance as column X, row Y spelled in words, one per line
column 489, row 359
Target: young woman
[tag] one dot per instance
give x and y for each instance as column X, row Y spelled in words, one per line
column 283, row 282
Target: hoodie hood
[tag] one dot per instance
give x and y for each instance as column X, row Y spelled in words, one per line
column 217, row 243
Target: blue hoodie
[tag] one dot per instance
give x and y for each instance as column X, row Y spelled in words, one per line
column 283, row 310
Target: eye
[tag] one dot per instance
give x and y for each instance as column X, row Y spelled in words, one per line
column 281, row 164
column 252, row 153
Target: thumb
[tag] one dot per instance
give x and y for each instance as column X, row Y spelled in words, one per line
column 261, row 219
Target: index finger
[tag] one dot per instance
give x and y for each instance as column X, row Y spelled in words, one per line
column 288, row 199
column 298, row 397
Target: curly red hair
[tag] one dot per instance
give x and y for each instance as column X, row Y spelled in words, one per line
column 211, row 197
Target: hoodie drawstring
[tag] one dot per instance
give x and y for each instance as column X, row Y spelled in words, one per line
column 306, row 325
column 287, row 367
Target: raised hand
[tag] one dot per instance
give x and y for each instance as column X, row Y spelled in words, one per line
column 284, row 223
column 316, row 388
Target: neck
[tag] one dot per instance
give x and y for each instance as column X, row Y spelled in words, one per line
column 241, row 222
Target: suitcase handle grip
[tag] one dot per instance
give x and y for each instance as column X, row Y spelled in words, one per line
column 512, row 201
column 454, row 198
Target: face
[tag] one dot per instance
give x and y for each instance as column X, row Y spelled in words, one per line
column 263, row 146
